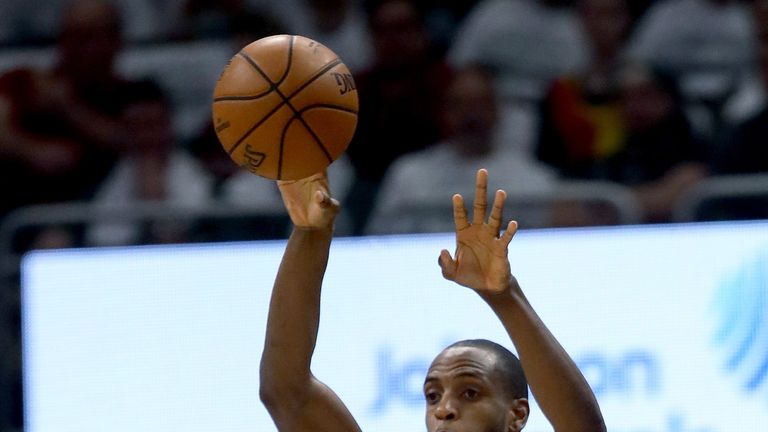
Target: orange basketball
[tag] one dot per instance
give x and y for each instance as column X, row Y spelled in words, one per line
column 285, row 107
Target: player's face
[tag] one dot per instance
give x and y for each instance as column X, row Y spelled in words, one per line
column 463, row 394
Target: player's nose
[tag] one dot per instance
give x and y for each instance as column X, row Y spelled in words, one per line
column 446, row 410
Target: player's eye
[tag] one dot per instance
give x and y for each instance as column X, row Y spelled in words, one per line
column 471, row 394
column 432, row 397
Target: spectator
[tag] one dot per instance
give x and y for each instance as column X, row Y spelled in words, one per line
column 661, row 159
column 528, row 43
column 62, row 130
column 399, row 104
column 580, row 117
column 708, row 44
column 640, row 138
column 620, row 122
column 137, row 177
column 473, row 140
column 338, row 24
column 745, row 151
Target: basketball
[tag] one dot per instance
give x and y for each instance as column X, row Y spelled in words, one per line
column 285, row 107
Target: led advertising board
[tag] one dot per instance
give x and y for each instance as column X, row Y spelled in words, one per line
column 668, row 323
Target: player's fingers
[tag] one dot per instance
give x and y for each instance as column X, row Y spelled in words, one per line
column 494, row 221
column 323, row 199
column 447, row 264
column 459, row 212
column 509, row 233
column 481, row 196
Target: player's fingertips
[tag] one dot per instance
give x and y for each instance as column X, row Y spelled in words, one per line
column 510, row 231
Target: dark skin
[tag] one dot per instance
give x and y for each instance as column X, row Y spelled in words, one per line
column 461, row 388
column 462, row 393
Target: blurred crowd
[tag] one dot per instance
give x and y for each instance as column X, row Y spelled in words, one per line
column 109, row 103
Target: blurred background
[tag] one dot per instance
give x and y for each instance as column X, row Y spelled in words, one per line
column 589, row 113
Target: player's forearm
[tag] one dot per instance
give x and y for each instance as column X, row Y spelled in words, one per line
column 560, row 389
column 294, row 312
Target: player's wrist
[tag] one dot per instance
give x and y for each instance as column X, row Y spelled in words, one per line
column 510, row 293
column 313, row 230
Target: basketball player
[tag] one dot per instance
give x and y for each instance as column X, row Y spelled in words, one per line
column 472, row 386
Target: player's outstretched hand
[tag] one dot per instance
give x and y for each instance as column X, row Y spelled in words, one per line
column 309, row 202
column 480, row 261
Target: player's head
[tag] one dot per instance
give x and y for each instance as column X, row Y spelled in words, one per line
column 476, row 385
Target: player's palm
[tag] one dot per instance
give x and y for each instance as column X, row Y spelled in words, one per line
column 309, row 201
column 480, row 261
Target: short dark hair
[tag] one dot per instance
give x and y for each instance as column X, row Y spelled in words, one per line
column 508, row 366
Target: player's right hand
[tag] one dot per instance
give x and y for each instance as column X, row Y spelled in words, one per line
column 309, row 202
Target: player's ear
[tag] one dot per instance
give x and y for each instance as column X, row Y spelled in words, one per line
column 518, row 414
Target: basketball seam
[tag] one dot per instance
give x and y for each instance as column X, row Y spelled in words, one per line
column 330, row 65
column 272, row 87
column 314, row 136
column 312, row 132
column 317, row 140
column 242, row 98
column 254, row 127
column 330, row 106
column 285, row 101
column 296, row 115
column 289, row 62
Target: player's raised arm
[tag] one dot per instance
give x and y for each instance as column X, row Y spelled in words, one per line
column 480, row 262
column 295, row 399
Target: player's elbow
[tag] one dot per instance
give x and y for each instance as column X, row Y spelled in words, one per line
column 272, row 392
column 278, row 394
column 278, row 407
column 269, row 397
column 284, row 401
column 275, row 400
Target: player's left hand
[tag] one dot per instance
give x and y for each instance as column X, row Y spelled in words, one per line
column 480, row 260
